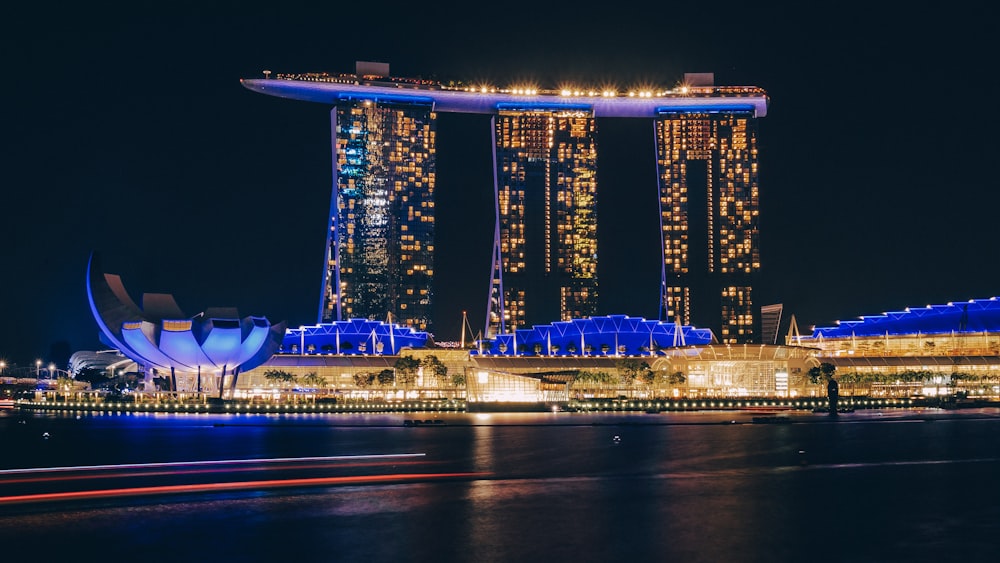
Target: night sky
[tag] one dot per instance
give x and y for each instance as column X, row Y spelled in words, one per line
column 127, row 132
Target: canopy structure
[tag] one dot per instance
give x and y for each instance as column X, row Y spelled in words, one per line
column 353, row 336
column 597, row 336
column 975, row 315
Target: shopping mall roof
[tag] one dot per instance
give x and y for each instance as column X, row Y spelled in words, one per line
column 975, row 315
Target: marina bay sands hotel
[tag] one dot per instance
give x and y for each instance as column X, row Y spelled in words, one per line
column 380, row 244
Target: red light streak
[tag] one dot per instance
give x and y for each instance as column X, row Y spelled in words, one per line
column 234, row 486
column 107, row 474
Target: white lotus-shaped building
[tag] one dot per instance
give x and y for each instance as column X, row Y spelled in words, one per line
column 203, row 352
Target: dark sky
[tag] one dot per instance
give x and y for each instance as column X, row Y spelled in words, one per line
column 126, row 131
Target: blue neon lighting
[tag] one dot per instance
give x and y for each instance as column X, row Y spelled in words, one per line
column 706, row 108
column 596, row 336
column 222, row 345
column 353, row 337
column 184, row 344
column 385, row 98
column 976, row 315
column 541, row 106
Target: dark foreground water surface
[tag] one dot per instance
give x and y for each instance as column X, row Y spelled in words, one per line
column 871, row 486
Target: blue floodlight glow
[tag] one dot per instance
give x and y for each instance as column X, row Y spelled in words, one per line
column 975, row 315
column 352, row 337
column 222, row 345
column 597, row 336
column 205, row 341
column 706, row 108
column 184, row 350
column 383, row 98
column 543, row 106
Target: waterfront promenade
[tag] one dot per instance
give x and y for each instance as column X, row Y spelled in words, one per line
column 212, row 406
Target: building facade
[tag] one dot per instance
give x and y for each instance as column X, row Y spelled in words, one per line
column 545, row 251
column 380, row 246
column 544, row 262
column 709, row 218
column 932, row 350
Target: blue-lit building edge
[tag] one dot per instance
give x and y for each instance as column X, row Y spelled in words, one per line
column 352, row 337
column 596, row 336
column 478, row 102
column 228, row 344
column 976, row 315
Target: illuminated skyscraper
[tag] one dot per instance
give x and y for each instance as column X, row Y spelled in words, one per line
column 545, row 249
column 380, row 246
column 707, row 168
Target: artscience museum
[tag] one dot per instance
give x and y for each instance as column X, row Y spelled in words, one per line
column 203, row 353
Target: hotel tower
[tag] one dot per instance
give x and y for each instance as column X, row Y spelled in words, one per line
column 380, row 248
column 380, row 242
column 545, row 243
column 709, row 207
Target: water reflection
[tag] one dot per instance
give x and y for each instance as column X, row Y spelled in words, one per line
column 522, row 487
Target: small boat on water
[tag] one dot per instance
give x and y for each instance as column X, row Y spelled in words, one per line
column 772, row 420
column 434, row 422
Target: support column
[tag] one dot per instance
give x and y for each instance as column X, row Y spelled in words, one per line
column 496, row 294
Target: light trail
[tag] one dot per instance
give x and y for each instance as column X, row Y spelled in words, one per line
column 202, row 463
column 111, row 474
column 235, row 486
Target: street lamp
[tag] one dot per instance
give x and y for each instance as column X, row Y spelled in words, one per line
column 52, row 368
column 38, row 366
column 3, row 367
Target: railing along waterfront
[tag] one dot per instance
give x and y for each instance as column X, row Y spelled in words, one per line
column 458, row 405
column 234, row 407
column 680, row 405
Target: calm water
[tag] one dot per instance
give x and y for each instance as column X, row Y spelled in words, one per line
column 872, row 486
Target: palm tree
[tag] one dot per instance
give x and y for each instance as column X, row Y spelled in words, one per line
column 828, row 370
column 279, row 376
column 406, row 371
column 436, row 367
column 313, row 380
column 630, row 368
column 815, row 374
column 386, row 377
column 363, row 380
